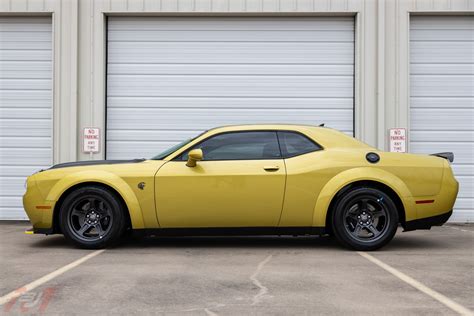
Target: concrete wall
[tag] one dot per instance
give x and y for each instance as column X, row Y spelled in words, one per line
column 382, row 54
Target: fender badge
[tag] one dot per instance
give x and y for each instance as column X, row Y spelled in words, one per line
column 141, row 185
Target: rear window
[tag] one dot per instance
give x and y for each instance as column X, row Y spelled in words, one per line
column 295, row 144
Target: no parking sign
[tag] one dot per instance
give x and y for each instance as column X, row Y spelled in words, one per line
column 91, row 138
column 398, row 140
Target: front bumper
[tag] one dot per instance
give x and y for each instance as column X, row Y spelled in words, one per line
column 427, row 222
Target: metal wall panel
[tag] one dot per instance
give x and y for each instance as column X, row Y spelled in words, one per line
column 170, row 78
column 442, row 97
column 25, row 106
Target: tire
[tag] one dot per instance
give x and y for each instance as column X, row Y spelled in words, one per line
column 92, row 217
column 364, row 219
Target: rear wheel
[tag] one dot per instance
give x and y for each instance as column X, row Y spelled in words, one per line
column 364, row 219
column 92, row 217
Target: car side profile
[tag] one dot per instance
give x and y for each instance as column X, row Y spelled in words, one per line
column 247, row 180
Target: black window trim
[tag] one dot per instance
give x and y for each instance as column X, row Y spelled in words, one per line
column 319, row 147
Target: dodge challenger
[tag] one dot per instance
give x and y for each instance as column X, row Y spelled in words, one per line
column 247, row 180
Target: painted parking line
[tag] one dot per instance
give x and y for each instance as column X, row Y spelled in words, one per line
column 48, row 277
column 461, row 310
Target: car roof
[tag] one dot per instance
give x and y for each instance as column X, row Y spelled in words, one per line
column 272, row 126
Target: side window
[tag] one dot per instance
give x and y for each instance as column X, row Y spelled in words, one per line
column 294, row 144
column 240, row 146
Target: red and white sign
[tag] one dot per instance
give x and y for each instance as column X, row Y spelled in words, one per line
column 398, row 140
column 91, row 140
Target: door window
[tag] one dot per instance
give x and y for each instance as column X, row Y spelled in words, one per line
column 239, row 146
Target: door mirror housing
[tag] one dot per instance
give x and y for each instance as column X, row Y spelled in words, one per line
column 194, row 156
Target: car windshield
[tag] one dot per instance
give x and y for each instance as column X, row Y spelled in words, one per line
column 172, row 149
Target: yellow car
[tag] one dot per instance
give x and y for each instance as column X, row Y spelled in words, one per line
column 247, row 180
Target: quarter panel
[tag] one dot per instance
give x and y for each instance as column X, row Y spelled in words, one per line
column 315, row 178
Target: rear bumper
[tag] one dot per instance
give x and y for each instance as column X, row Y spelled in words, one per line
column 427, row 222
column 39, row 211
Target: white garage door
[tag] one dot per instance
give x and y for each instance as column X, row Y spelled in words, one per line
column 171, row 78
column 442, row 97
column 25, row 107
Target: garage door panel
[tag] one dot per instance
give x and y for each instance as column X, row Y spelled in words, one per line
column 236, row 86
column 462, row 215
column 461, row 170
column 442, row 35
column 442, row 23
column 25, row 156
column 22, row 55
column 25, row 84
column 162, row 135
column 25, row 123
column 462, row 151
column 39, row 45
column 231, row 24
column 466, row 186
column 12, row 187
column 22, row 24
column 442, row 119
column 18, row 70
column 18, row 113
column 152, row 118
column 33, row 142
column 229, row 69
column 13, row 213
column 258, row 53
column 36, row 98
column 441, row 136
column 219, row 36
column 10, row 201
column 231, row 102
column 8, row 38
column 25, row 106
column 19, row 171
column 443, row 86
column 137, row 149
column 442, row 69
column 466, row 205
column 441, row 52
column 442, row 102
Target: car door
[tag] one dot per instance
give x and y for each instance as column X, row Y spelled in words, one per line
column 240, row 182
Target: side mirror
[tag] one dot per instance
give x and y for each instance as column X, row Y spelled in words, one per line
column 194, row 156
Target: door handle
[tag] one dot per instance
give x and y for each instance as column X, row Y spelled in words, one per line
column 271, row 168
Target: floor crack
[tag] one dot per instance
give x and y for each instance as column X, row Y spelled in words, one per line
column 257, row 298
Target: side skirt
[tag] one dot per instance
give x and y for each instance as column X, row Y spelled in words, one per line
column 231, row 231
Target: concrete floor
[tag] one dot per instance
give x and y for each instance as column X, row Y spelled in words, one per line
column 238, row 276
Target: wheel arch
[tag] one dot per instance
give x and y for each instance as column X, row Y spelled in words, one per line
column 57, row 206
column 378, row 178
column 109, row 181
column 370, row 184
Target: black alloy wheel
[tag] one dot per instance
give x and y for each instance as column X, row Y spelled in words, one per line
column 364, row 219
column 92, row 217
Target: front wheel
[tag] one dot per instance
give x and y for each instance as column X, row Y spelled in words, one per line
column 364, row 219
column 92, row 217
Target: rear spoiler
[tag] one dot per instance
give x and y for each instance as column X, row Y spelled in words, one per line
column 447, row 155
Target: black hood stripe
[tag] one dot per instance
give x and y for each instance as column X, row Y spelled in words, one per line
column 95, row 162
